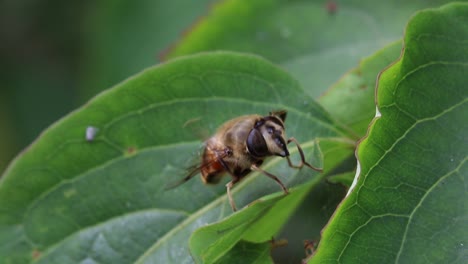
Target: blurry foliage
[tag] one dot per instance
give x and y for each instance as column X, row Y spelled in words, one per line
column 55, row 55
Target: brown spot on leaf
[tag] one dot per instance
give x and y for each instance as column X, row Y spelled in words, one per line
column 358, row 72
column 331, row 7
column 35, row 254
column 131, row 151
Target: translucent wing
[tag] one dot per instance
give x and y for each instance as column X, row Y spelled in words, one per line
column 194, row 170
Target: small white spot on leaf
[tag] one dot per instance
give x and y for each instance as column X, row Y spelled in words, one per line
column 91, row 133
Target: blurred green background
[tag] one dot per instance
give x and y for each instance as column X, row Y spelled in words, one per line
column 55, row 55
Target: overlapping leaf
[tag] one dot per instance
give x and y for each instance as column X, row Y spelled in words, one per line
column 409, row 203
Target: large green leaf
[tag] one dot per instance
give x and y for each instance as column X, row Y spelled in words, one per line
column 315, row 45
column 409, row 203
column 66, row 199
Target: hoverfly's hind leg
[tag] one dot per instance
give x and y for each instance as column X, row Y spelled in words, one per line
column 303, row 161
column 228, row 188
column 235, row 179
column 256, row 168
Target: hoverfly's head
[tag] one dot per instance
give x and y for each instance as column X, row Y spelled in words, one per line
column 268, row 138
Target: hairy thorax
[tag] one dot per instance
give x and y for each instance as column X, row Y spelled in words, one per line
column 230, row 143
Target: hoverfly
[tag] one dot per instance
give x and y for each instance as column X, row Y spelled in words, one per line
column 241, row 145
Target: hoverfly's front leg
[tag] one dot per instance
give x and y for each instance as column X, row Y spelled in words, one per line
column 256, row 168
column 303, row 161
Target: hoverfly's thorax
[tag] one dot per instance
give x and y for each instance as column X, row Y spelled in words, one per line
column 235, row 132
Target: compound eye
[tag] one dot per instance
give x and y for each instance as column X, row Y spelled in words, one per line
column 256, row 144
